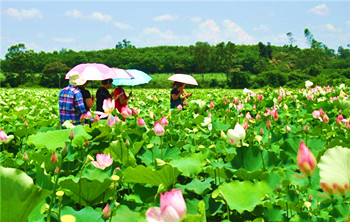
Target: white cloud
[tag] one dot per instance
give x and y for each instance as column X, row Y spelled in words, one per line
column 151, row 36
column 23, row 14
column 64, row 40
column 263, row 28
column 74, row 13
column 100, row 17
column 97, row 16
column 321, row 10
column 236, row 33
column 208, row 31
column 163, row 18
column 328, row 27
column 195, row 19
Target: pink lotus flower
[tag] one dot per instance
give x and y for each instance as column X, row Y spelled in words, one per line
column 239, row 107
column 325, row 118
column 260, row 97
column 316, row 114
column 172, row 208
column 327, row 188
column 164, row 121
column 248, row 116
column 158, row 129
column 126, row 111
column 209, row 115
column 140, row 122
column 103, row 161
column 3, row 136
column 179, row 107
column 306, row 160
column 108, row 105
column 112, row 120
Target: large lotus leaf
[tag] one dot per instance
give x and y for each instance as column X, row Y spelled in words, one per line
column 141, row 174
column 199, row 187
column 88, row 189
column 87, row 214
column 244, row 195
column 54, row 139
column 123, row 213
column 335, row 166
column 19, row 196
column 122, row 153
column 188, row 166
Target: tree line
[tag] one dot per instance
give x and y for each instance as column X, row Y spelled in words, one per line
column 244, row 65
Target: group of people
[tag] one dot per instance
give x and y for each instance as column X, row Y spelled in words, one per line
column 75, row 99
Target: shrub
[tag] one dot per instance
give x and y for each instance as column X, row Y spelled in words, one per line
column 239, row 80
column 272, row 78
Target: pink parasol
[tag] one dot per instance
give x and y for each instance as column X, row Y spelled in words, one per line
column 183, row 78
column 93, row 71
column 122, row 74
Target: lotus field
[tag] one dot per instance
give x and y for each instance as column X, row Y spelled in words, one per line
column 230, row 155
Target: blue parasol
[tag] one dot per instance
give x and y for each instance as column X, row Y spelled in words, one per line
column 139, row 78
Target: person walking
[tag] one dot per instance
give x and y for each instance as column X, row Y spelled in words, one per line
column 71, row 103
column 103, row 93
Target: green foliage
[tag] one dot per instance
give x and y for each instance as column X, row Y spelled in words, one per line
column 273, row 78
column 19, row 195
column 238, row 80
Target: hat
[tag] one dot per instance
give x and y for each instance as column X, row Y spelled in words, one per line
column 75, row 79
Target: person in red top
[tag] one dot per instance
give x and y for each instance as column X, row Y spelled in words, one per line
column 121, row 99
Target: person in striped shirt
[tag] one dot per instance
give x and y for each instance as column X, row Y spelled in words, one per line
column 71, row 102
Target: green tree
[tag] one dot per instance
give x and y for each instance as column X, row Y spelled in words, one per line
column 53, row 74
column 201, row 52
column 124, row 44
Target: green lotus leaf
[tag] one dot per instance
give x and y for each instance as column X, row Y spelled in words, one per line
column 86, row 191
column 87, row 214
column 335, row 166
column 244, row 195
column 19, row 196
column 54, row 139
column 141, row 174
column 121, row 152
column 188, row 166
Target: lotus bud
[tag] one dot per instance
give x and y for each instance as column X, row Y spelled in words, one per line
column 210, row 115
column 25, row 123
column 316, row 114
column 106, row 212
column 3, row 136
column 306, row 160
column 54, row 159
column 321, row 112
column 71, row 135
column 307, row 128
column 90, row 158
column 223, row 135
column 260, row 97
column 134, row 112
column 310, row 198
column 245, row 125
column 127, row 143
column 261, row 131
column 228, row 110
column 140, row 122
column 25, row 156
column 211, row 105
column 179, row 107
column 96, row 119
column 158, row 129
column 64, row 151
column 57, row 170
column 248, row 116
column 258, row 116
column 275, row 116
column 224, row 102
column 343, row 190
column 160, row 162
column 268, row 124
column 288, row 128
column 325, row 118
column 86, row 144
column 164, row 121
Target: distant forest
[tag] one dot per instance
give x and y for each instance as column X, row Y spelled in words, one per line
column 252, row 66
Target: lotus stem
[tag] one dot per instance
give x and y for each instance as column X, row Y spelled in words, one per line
column 262, row 159
column 54, row 192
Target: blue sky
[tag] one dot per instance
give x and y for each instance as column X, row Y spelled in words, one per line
column 93, row 25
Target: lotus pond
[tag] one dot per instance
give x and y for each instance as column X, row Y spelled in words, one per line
column 230, row 155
